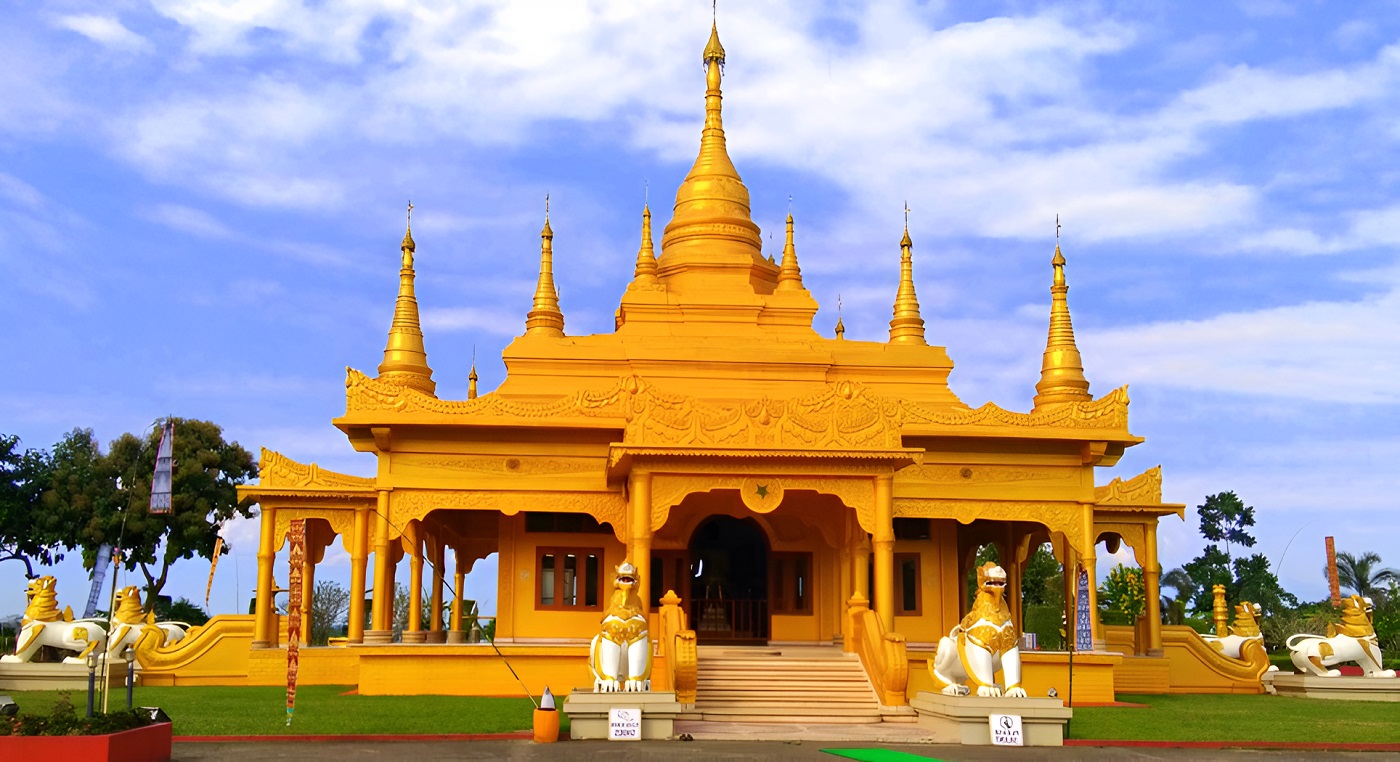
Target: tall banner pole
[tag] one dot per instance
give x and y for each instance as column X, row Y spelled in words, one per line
column 1333, row 585
column 213, row 564
column 296, row 537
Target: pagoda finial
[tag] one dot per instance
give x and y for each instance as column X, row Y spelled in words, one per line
column 471, row 382
column 907, row 326
column 790, row 275
column 1062, row 369
column 545, row 319
column 645, row 272
column 405, row 359
column 840, row 324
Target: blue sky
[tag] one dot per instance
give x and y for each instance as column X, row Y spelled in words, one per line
column 201, row 203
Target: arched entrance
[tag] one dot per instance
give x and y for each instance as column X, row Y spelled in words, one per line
column 729, row 566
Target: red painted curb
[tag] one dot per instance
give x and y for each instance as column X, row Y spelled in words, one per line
column 429, row 737
column 1299, row 745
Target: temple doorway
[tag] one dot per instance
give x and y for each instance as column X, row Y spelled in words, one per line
column 729, row 585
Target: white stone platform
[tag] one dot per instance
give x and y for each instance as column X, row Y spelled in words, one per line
column 965, row 719
column 588, row 712
column 40, row 676
column 1342, row 688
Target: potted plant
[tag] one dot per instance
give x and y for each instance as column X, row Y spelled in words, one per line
column 128, row 735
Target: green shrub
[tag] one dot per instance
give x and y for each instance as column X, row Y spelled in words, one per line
column 1046, row 621
column 62, row 720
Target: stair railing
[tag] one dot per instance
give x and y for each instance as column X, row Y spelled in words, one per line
column 883, row 654
column 680, row 665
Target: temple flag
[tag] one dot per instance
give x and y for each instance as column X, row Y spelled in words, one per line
column 163, row 479
column 296, row 537
column 1083, row 619
column 99, row 575
column 213, row 564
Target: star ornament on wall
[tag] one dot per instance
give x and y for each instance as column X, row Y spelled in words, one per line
column 762, row 490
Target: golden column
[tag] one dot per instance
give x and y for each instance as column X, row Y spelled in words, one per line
column 413, row 534
column 1015, row 567
column 1152, row 588
column 639, row 535
column 1090, row 560
column 439, row 554
column 381, row 620
column 265, row 621
column 359, row 553
column 308, row 579
column 884, row 550
column 459, row 580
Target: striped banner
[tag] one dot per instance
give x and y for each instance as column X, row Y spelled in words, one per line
column 296, row 537
column 213, row 564
column 163, row 479
column 99, row 575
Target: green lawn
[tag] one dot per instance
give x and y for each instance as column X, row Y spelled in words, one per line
column 1239, row 718
column 200, row 711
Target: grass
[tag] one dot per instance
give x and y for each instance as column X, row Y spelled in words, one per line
column 320, row 709
column 1239, row 718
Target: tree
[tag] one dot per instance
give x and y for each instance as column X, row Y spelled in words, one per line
column 1255, row 583
column 330, row 604
column 180, row 610
column 204, row 495
column 1122, row 593
column 1358, row 573
column 1042, row 579
column 1224, row 517
column 27, row 533
column 1174, row 608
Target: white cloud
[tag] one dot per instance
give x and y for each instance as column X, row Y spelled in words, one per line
column 494, row 322
column 106, row 31
column 187, row 220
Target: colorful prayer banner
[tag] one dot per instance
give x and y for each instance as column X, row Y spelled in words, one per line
column 1083, row 622
column 1334, row 587
column 213, row 564
column 163, row 479
column 296, row 537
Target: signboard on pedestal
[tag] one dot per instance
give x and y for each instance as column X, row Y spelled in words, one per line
column 1006, row 730
column 625, row 724
column 1083, row 622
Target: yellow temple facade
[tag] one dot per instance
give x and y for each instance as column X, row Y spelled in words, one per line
column 784, row 487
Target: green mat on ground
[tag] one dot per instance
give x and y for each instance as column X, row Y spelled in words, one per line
column 876, row 755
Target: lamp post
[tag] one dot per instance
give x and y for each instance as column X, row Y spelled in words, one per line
column 92, row 679
column 130, row 655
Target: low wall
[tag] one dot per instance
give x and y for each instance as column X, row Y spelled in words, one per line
column 1040, row 671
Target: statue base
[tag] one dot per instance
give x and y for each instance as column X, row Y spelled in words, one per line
column 1342, row 688
column 48, row 676
column 588, row 712
column 966, row 719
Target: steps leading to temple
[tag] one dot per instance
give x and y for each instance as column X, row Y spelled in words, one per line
column 780, row 685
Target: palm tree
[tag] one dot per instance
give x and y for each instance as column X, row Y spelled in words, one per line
column 1185, row 587
column 1360, row 575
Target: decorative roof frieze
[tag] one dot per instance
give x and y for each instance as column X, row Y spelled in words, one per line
column 1143, row 489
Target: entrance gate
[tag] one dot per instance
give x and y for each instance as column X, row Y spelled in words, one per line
column 729, row 585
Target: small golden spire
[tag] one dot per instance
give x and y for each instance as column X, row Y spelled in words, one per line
column 790, row 276
column 907, row 327
column 471, row 382
column 546, row 319
column 645, row 272
column 840, row 324
column 405, row 359
column 1062, row 369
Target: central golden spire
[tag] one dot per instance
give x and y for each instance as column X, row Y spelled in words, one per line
column 907, row 326
column 405, row 360
column 1062, row 369
column 546, row 319
column 712, row 230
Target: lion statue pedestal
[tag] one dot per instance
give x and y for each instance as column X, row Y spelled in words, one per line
column 1354, row 640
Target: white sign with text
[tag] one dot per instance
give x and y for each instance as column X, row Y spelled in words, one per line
column 625, row 724
column 1006, row 730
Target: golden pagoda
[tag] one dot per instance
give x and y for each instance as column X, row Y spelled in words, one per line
column 773, row 486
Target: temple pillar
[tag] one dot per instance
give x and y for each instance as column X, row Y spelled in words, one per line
column 265, row 619
column 884, row 551
column 413, row 631
column 435, row 633
column 1014, row 567
column 381, row 617
column 639, row 536
column 1090, row 561
column 308, row 580
column 455, row 634
column 1152, row 588
column 359, row 552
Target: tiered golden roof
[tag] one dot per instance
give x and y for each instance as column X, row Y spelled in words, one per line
column 405, row 359
column 1061, row 370
column 545, row 319
column 907, row 326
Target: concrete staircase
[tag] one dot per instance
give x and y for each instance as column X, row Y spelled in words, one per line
column 783, row 685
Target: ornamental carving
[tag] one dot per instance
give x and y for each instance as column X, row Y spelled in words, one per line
column 342, row 522
column 500, row 464
column 977, row 473
column 1107, row 412
column 669, row 490
column 1133, row 536
column 276, row 470
column 1064, row 517
column 1143, row 489
column 365, row 394
column 406, row 505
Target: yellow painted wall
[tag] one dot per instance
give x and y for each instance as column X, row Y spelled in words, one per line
column 472, row 670
column 1041, row 671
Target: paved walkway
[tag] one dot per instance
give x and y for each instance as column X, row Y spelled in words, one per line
column 427, row 751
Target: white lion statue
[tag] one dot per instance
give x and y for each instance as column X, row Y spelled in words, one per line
column 1354, row 640
column 44, row 625
column 984, row 643
column 129, row 620
column 623, row 648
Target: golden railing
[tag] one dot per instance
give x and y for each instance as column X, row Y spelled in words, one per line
column 883, row 654
column 679, row 664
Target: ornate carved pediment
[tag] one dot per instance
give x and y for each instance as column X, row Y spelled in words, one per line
column 1108, row 412
column 277, row 471
column 365, row 394
column 1143, row 489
